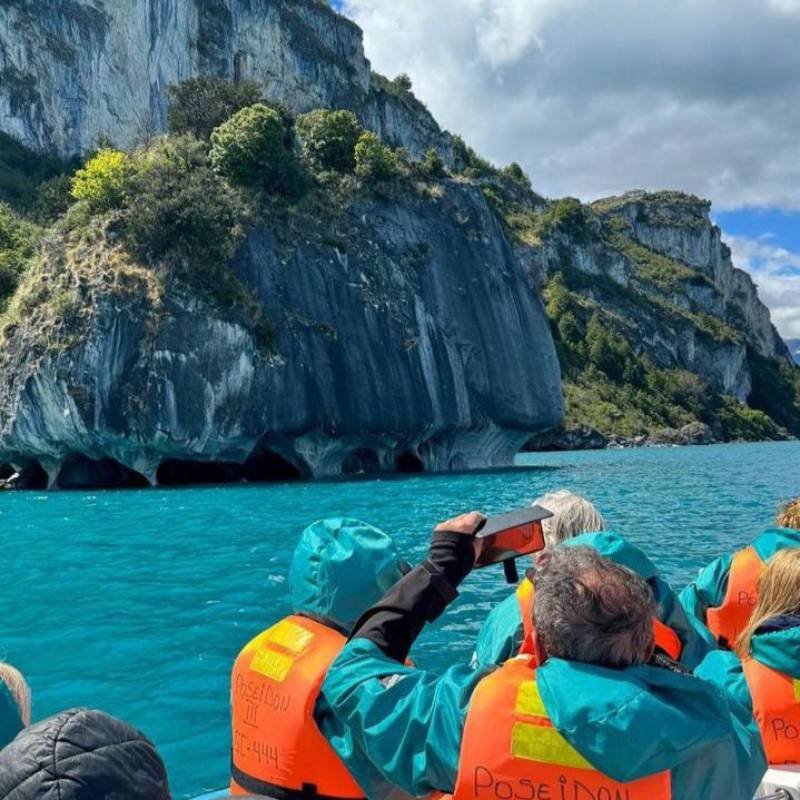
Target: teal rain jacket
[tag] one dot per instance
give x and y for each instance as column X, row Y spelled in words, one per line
column 339, row 569
column 10, row 720
column 708, row 589
column 628, row 724
column 777, row 649
column 501, row 635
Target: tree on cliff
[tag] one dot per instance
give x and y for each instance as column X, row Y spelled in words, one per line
column 329, row 139
column 250, row 149
column 200, row 105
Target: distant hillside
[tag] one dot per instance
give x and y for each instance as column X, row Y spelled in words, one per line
column 794, row 349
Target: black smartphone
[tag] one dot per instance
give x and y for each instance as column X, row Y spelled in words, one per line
column 508, row 536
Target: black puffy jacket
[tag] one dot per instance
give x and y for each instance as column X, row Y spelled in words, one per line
column 82, row 755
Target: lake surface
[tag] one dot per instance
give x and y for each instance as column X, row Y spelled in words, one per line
column 137, row 602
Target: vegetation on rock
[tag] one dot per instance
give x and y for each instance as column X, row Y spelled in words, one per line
column 200, row 105
column 172, row 215
column 250, row 149
column 101, row 184
column 329, row 139
column 19, row 240
column 375, row 162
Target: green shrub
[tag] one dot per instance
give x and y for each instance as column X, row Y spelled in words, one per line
column 469, row 162
column 329, row 139
column 250, row 149
column 102, row 182
column 432, row 164
column 200, row 105
column 52, row 199
column 19, row 241
column 735, row 421
column 567, row 215
column 375, row 162
column 22, row 171
column 515, row 175
column 403, row 83
column 776, row 390
column 182, row 214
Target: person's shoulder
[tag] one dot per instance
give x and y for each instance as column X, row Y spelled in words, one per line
column 620, row 550
column 772, row 540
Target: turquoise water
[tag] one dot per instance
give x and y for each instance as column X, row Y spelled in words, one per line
column 137, row 602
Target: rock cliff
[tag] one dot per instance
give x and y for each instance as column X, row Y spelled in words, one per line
column 75, row 71
column 408, row 337
column 657, row 264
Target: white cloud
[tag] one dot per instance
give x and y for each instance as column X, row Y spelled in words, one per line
column 594, row 97
column 776, row 270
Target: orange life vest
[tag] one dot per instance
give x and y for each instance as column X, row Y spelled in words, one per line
column 776, row 708
column 728, row 621
column 511, row 749
column 277, row 748
column 665, row 638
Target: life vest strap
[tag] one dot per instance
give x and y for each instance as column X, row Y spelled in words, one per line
column 270, row 790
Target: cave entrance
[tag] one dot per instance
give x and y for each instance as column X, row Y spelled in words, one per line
column 33, row 476
column 6, row 471
column 180, row 472
column 409, row 463
column 80, row 472
column 267, row 466
column 361, row 462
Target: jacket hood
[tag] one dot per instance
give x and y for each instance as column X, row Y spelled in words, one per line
column 779, row 649
column 774, row 539
column 618, row 549
column 634, row 722
column 82, row 755
column 340, row 568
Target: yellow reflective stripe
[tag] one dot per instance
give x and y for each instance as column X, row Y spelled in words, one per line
column 290, row 636
column 545, row 745
column 529, row 701
column 525, row 589
column 796, row 690
column 273, row 664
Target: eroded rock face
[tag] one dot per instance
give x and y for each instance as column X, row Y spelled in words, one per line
column 415, row 341
column 72, row 71
column 678, row 226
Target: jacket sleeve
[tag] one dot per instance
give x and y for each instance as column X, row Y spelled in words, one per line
column 707, row 590
column 724, row 670
column 749, row 762
column 500, row 636
column 696, row 640
column 404, row 722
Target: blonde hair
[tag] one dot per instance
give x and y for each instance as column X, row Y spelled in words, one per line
column 778, row 593
column 572, row 516
column 19, row 689
column 789, row 514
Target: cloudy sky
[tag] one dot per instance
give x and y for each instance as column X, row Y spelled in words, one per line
column 594, row 97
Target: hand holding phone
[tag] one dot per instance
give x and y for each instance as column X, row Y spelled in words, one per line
column 509, row 536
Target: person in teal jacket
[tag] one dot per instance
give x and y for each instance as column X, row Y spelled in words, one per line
column 339, row 568
column 15, row 703
column 769, row 644
column 628, row 723
column 501, row 635
column 709, row 589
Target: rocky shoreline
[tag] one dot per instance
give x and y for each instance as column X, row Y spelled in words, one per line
column 584, row 437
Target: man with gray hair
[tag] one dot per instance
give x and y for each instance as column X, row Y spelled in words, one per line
column 592, row 610
column 586, row 719
column 508, row 630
